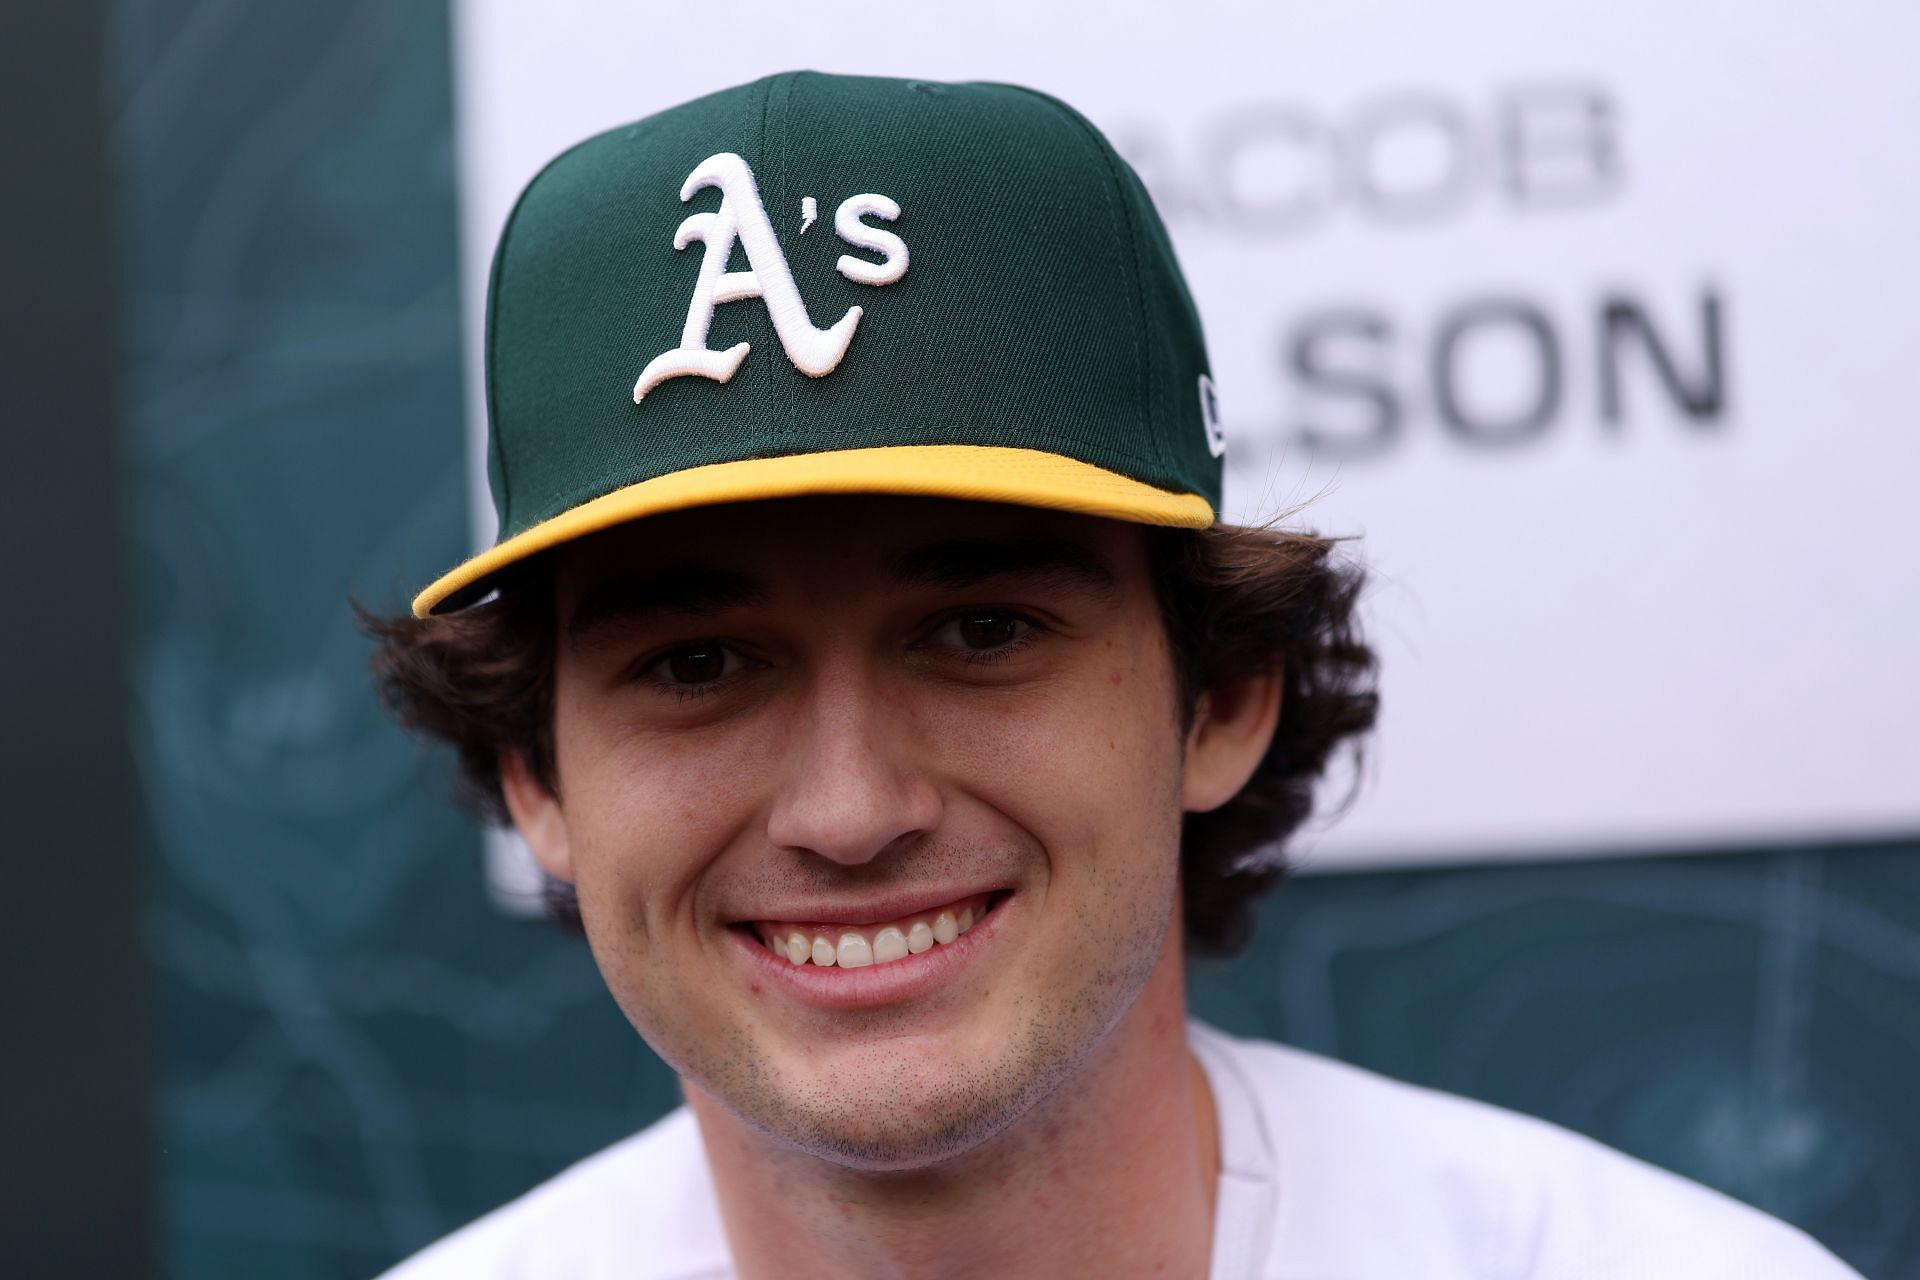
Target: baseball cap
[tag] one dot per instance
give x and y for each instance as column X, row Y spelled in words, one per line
column 823, row 284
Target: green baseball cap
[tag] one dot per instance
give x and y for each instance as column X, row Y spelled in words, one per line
column 819, row 284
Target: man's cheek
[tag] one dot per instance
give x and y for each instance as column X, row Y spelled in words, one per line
column 666, row 801
column 1086, row 779
column 637, row 862
column 1079, row 717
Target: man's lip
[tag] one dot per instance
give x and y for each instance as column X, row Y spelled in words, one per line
column 868, row 911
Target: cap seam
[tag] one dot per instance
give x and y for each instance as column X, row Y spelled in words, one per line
column 495, row 438
column 1144, row 327
column 1054, row 439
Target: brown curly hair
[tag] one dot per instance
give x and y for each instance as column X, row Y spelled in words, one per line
column 1236, row 601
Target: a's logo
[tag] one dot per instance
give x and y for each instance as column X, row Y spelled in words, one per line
column 1210, row 418
column 742, row 218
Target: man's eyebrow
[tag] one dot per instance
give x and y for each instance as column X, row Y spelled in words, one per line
column 970, row 562
column 687, row 590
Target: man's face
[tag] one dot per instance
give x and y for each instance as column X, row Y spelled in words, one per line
column 788, row 732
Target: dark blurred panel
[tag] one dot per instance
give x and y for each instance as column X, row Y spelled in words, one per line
column 358, row 1053
column 75, row 1137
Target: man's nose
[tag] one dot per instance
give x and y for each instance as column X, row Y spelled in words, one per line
column 853, row 786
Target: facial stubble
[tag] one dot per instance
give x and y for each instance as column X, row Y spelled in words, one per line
column 898, row 1117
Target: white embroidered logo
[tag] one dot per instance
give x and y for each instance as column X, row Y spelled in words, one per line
column 741, row 217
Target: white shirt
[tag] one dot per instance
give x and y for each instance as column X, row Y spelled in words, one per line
column 1327, row 1172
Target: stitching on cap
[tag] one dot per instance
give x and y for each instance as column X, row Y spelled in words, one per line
column 602, row 485
column 1126, row 455
column 1143, row 327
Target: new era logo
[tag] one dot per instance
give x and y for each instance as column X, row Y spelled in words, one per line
column 1210, row 417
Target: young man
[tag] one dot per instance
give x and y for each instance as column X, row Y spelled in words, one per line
column 861, row 657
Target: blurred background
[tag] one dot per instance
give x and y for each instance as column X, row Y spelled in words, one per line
column 1592, row 324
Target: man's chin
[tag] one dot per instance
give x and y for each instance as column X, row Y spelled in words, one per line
column 899, row 1116
column 881, row 1134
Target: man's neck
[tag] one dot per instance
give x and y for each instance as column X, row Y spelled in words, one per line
column 1113, row 1174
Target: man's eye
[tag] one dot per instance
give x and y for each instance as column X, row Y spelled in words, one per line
column 984, row 631
column 696, row 665
column 988, row 630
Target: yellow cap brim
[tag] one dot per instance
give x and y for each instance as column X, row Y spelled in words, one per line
column 979, row 473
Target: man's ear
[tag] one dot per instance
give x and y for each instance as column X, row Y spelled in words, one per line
column 536, row 814
column 1232, row 728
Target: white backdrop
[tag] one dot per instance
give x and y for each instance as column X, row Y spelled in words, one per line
column 1596, row 326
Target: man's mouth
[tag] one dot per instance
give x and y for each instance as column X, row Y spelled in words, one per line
column 858, row 946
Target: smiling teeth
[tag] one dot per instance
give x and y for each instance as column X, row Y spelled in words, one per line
column 828, row 947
